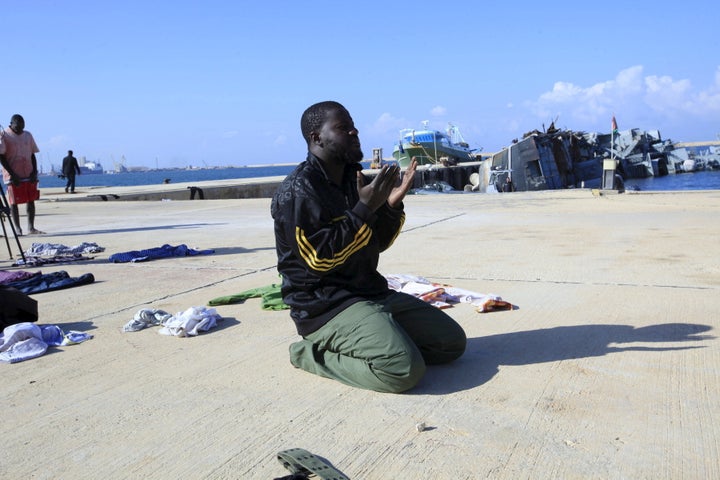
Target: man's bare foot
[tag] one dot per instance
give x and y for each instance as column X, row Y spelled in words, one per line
column 35, row 231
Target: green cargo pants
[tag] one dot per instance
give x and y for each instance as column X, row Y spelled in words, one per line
column 382, row 346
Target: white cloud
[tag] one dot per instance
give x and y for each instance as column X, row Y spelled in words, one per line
column 629, row 80
column 588, row 104
column 386, row 123
column 665, row 95
column 711, row 96
column 631, row 94
column 438, row 111
column 280, row 140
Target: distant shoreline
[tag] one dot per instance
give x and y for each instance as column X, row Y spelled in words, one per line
column 174, row 169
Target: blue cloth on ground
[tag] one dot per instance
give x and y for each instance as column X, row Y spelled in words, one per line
column 165, row 251
column 47, row 282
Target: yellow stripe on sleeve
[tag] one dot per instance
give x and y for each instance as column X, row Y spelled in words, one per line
column 311, row 257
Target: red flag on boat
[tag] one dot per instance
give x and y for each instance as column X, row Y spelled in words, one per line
column 614, row 125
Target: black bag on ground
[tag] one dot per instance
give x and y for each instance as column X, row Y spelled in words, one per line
column 16, row 307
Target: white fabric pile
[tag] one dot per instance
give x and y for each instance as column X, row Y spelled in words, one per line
column 444, row 296
column 23, row 341
column 183, row 324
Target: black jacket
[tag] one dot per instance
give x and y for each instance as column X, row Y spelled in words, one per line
column 328, row 244
column 70, row 166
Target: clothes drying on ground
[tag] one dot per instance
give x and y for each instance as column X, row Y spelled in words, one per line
column 190, row 322
column 56, row 249
column 42, row 253
column 165, row 251
column 23, row 341
column 271, row 297
column 444, row 296
column 146, row 317
column 183, row 324
column 38, row 261
column 7, row 276
column 51, row 281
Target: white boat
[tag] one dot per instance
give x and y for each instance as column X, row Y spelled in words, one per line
column 90, row 167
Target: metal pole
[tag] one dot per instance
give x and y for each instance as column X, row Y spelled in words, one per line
column 5, row 210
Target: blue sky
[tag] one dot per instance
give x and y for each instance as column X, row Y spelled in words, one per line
column 167, row 84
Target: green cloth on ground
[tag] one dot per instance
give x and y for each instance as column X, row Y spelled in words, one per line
column 270, row 295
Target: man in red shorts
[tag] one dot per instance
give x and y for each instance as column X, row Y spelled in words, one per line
column 19, row 165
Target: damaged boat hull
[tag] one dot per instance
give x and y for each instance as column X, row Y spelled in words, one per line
column 543, row 161
column 558, row 158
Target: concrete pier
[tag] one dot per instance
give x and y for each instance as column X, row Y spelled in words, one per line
column 456, row 176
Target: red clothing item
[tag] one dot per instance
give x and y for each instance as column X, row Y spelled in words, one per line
column 26, row 192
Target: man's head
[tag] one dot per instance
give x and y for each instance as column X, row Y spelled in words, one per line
column 17, row 123
column 70, row 152
column 330, row 133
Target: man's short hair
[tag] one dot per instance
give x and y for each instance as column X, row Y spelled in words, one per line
column 314, row 116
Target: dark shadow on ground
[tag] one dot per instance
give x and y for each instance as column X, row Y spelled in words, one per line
column 484, row 355
column 102, row 258
column 226, row 322
column 82, row 326
column 84, row 233
column 236, row 250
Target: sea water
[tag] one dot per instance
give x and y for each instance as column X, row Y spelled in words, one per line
column 702, row 180
column 157, row 177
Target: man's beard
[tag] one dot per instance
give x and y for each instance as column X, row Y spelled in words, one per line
column 342, row 154
column 355, row 155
